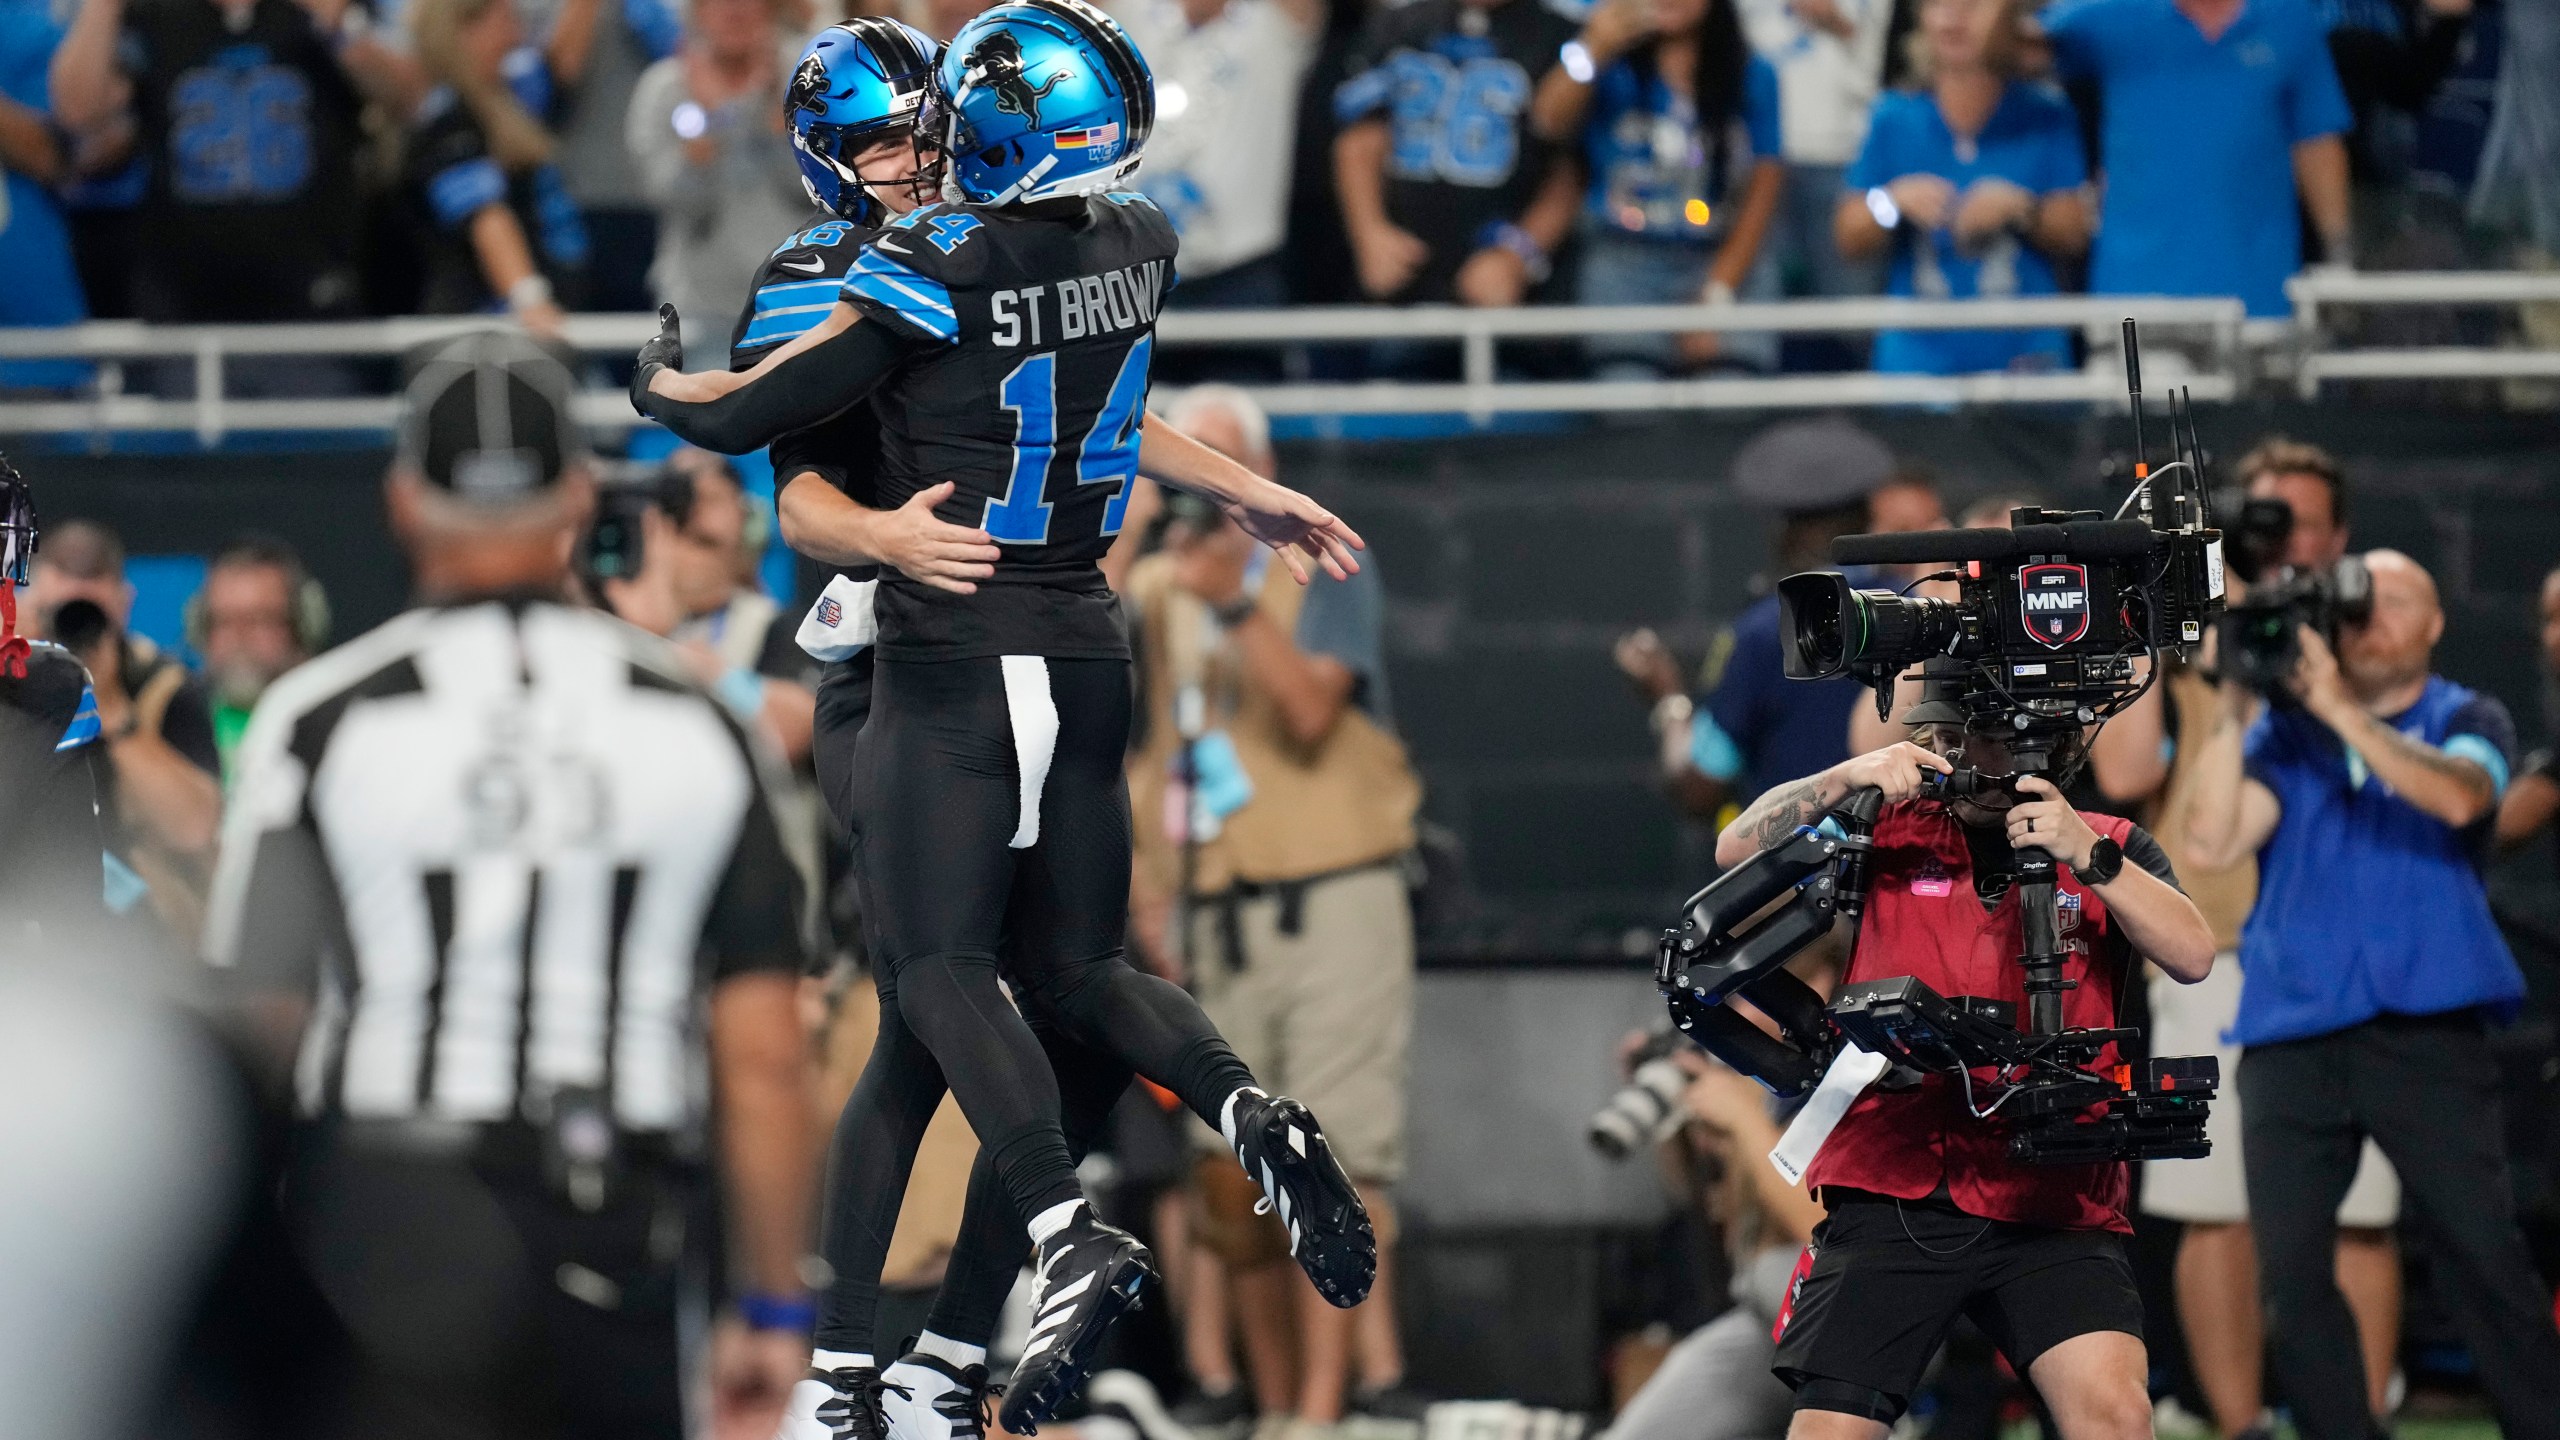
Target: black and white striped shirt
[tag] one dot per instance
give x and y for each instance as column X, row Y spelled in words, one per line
column 504, row 849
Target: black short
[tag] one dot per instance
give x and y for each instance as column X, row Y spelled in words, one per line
column 1889, row 1277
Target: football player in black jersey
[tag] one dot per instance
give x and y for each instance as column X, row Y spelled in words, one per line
column 52, row 851
column 1009, row 337
column 852, row 110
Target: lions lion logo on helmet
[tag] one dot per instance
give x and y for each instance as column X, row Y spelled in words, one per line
column 997, row 64
column 808, row 86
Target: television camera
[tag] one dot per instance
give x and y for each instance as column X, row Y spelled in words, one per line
column 2058, row 624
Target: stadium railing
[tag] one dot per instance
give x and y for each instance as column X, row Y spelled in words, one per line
column 2316, row 294
column 2218, row 353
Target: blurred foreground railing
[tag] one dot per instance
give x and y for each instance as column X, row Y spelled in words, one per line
column 2214, row 350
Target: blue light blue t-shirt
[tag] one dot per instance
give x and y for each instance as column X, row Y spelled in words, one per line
column 35, row 241
column 2367, row 905
column 2198, row 145
column 2031, row 140
column 1655, row 170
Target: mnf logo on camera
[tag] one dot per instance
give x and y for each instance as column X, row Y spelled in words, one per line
column 2053, row 599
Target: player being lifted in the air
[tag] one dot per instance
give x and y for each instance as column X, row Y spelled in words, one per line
column 1006, row 339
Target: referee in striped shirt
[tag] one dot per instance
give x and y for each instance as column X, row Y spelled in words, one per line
column 502, row 887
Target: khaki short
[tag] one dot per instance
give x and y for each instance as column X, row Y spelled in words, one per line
column 2190, row 1020
column 1326, row 1015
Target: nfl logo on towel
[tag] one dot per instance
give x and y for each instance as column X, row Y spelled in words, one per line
column 830, row 614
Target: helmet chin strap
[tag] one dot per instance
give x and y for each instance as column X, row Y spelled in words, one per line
column 1029, row 179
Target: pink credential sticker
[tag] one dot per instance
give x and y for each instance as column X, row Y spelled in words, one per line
column 1933, row 886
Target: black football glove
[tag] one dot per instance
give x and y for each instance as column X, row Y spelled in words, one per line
column 665, row 351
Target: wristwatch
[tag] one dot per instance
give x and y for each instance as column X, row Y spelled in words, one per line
column 2106, row 862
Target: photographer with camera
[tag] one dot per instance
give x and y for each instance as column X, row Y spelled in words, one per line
column 2291, row 532
column 2372, row 969
column 160, row 793
column 1711, row 1133
column 1929, row 1217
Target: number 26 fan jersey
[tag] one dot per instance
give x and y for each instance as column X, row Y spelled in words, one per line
column 1029, row 332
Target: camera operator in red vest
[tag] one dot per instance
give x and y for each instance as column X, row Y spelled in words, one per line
column 1929, row 1218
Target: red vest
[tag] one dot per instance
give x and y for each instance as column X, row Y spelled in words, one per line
column 1924, row 920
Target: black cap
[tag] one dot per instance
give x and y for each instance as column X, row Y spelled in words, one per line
column 1819, row 464
column 486, row 418
column 1945, row 684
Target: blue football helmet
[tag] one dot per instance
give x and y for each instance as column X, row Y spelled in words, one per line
column 1037, row 99
column 856, row 84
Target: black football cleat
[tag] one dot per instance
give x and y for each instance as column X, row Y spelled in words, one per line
column 932, row 1399
column 1282, row 1148
column 1086, row 1276
column 837, row 1405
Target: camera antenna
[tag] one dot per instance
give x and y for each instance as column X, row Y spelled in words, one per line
column 2133, row 392
column 2185, row 412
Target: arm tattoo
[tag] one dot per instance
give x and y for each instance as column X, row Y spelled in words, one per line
column 2466, row 773
column 1784, row 812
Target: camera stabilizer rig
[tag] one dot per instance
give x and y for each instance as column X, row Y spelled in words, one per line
column 2041, row 644
column 1720, row 951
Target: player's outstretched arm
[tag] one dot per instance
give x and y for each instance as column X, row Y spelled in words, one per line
column 1290, row 523
column 817, row 376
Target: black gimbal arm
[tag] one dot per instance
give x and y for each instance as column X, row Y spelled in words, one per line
column 1720, row 950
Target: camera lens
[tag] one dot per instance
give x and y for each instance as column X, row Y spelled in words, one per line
column 1826, row 628
column 1813, row 611
column 1646, row 1112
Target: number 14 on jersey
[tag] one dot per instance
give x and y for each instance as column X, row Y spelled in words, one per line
column 1106, row 446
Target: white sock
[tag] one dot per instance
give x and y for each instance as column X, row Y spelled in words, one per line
column 838, row 1360
column 958, row 1354
column 1052, row 1220
column 1227, row 1113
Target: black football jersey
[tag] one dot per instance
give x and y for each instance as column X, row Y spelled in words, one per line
column 1030, row 333
column 52, row 851
column 794, row 290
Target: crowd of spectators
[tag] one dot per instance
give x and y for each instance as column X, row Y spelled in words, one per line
column 228, row 160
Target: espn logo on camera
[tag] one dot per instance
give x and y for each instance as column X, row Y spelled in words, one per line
column 2053, row 600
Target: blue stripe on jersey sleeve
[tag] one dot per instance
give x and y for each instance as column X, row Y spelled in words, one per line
column 786, row 309
column 923, row 302
column 83, row 728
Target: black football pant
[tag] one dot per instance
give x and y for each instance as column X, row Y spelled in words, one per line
column 991, row 837
column 2426, row 1089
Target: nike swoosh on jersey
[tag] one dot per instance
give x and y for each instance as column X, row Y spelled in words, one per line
column 885, row 243
column 813, row 265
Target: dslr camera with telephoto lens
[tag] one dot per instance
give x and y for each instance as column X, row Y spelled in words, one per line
column 2262, row 631
column 2058, row 624
column 1647, row 1110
